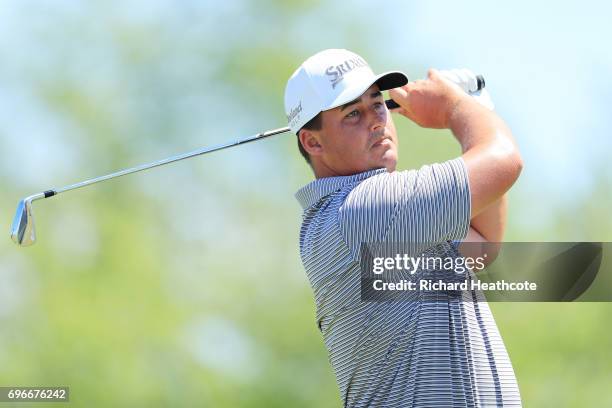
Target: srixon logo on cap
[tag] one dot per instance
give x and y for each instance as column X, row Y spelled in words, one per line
column 336, row 72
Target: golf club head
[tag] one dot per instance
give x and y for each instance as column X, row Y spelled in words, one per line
column 22, row 230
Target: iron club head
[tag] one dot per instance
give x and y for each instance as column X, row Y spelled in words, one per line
column 22, row 231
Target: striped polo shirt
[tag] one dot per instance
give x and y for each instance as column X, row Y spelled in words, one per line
column 439, row 351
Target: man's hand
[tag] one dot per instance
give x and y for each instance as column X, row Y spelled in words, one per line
column 429, row 102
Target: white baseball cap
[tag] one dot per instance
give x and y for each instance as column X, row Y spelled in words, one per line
column 329, row 79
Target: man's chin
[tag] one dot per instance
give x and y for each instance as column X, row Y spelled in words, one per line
column 389, row 161
column 391, row 167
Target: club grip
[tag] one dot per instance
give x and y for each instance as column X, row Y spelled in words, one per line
column 466, row 79
column 469, row 82
column 391, row 104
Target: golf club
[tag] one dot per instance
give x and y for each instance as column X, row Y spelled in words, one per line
column 23, row 231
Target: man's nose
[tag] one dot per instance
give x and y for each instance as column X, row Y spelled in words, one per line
column 377, row 117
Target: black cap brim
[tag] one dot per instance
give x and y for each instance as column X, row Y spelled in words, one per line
column 390, row 80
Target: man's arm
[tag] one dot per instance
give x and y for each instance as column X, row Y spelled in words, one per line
column 486, row 232
column 493, row 162
column 491, row 222
column 490, row 153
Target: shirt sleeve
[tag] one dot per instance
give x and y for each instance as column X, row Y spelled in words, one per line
column 428, row 205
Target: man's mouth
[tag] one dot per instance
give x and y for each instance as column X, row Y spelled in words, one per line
column 381, row 141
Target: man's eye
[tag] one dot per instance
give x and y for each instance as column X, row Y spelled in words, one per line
column 353, row 113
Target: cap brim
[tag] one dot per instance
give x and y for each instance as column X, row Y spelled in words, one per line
column 385, row 81
column 390, row 80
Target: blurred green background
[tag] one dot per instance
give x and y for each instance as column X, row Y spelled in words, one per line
column 182, row 286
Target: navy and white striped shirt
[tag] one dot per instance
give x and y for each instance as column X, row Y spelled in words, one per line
column 442, row 352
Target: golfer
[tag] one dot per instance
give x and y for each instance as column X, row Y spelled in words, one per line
column 445, row 352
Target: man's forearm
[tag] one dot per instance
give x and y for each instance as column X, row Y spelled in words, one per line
column 474, row 125
column 491, row 157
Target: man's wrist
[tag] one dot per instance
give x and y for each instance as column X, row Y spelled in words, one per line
column 463, row 107
column 465, row 121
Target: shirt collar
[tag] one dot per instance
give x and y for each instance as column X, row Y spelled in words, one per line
column 319, row 188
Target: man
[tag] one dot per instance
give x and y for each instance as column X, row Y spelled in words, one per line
column 437, row 353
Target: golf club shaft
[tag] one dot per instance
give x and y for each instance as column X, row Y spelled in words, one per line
column 142, row 167
column 146, row 166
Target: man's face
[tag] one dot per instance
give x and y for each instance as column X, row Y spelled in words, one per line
column 356, row 137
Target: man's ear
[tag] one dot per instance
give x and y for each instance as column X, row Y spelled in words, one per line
column 310, row 142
